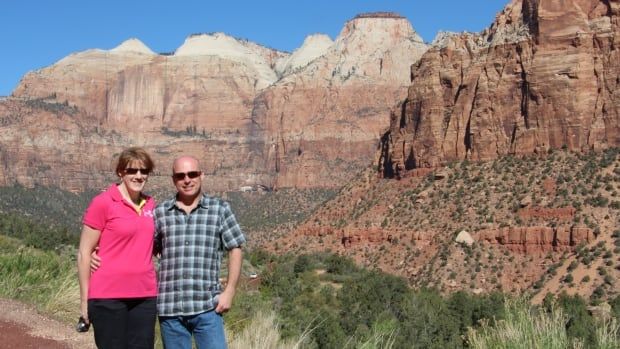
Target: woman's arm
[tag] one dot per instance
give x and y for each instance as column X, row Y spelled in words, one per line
column 88, row 241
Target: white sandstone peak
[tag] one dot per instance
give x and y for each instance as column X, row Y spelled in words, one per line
column 313, row 47
column 230, row 48
column 132, row 45
column 377, row 29
column 217, row 44
column 373, row 45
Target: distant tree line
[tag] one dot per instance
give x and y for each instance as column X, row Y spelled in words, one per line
column 43, row 236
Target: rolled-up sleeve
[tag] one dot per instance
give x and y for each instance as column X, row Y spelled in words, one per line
column 231, row 233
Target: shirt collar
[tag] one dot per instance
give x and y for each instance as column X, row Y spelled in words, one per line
column 116, row 195
column 172, row 202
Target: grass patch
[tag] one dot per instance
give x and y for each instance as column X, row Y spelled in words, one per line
column 43, row 278
column 525, row 327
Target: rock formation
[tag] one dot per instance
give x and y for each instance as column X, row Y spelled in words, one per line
column 251, row 114
column 543, row 76
column 537, row 239
column 323, row 123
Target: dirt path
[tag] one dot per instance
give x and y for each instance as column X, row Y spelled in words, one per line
column 22, row 327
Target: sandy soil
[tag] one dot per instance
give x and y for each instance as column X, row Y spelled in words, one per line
column 21, row 326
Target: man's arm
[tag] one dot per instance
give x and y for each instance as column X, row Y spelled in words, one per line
column 235, row 259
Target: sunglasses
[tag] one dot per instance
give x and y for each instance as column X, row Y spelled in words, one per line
column 179, row 176
column 133, row 171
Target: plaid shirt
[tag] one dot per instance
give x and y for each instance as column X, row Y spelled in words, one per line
column 191, row 249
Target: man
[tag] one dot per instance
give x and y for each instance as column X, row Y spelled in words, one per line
column 191, row 232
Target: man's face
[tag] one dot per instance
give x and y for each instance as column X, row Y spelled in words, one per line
column 187, row 177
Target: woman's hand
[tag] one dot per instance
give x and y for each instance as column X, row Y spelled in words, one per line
column 84, row 311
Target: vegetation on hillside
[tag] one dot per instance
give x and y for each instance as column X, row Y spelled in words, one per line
column 48, row 206
column 266, row 213
column 53, row 211
column 473, row 195
column 417, row 218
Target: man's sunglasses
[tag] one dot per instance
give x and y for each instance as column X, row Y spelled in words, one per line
column 179, row 176
column 133, row 171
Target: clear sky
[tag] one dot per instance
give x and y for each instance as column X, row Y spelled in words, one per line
column 38, row 33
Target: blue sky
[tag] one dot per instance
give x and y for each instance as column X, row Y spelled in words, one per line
column 36, row 34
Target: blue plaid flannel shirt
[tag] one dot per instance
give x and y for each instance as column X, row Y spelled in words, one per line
column 191, row 248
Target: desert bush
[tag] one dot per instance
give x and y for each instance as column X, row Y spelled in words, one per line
column 527, row 327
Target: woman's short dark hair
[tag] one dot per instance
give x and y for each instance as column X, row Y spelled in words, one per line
column 134, row 154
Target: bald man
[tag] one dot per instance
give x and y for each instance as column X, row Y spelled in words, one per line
column 192, row 231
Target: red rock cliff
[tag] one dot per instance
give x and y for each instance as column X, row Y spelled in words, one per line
column 544, row 75
column 252, row 115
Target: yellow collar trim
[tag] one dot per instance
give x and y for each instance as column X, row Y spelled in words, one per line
column 140, row 205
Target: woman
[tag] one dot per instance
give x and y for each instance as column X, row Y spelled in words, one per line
column 119, row 298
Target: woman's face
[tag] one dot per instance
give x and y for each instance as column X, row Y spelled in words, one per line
column 134, row 176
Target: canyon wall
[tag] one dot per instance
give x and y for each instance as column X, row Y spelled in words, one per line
column 543, row 76
column 252, row 115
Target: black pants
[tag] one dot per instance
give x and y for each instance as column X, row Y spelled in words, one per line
column 123, row 323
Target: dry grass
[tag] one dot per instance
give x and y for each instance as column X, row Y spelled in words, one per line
column 263, row 333
column 526, row 328
column 64, row 302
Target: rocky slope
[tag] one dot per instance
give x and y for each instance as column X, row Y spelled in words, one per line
column 526, row 220
column 253, row 115
column 543, row 76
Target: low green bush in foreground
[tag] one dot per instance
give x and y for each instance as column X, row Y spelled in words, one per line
column 525, row 327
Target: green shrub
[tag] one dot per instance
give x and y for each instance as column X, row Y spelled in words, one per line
column 526, row 327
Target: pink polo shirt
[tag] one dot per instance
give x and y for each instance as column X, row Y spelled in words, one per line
column 125, row 247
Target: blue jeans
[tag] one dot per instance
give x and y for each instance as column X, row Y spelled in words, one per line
column 206, row 328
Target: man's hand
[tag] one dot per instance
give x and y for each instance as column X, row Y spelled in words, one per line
column 225, row 301
column 95, row 260
column 235, row 258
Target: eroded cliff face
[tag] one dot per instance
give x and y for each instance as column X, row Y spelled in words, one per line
column 322, row 124
column 543, row 76
column 193, row 102
column 252, row 115
column 209, row 83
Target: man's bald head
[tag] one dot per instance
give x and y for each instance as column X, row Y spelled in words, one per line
column 185, row 160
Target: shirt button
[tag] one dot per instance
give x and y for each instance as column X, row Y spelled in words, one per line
column 187, row 242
